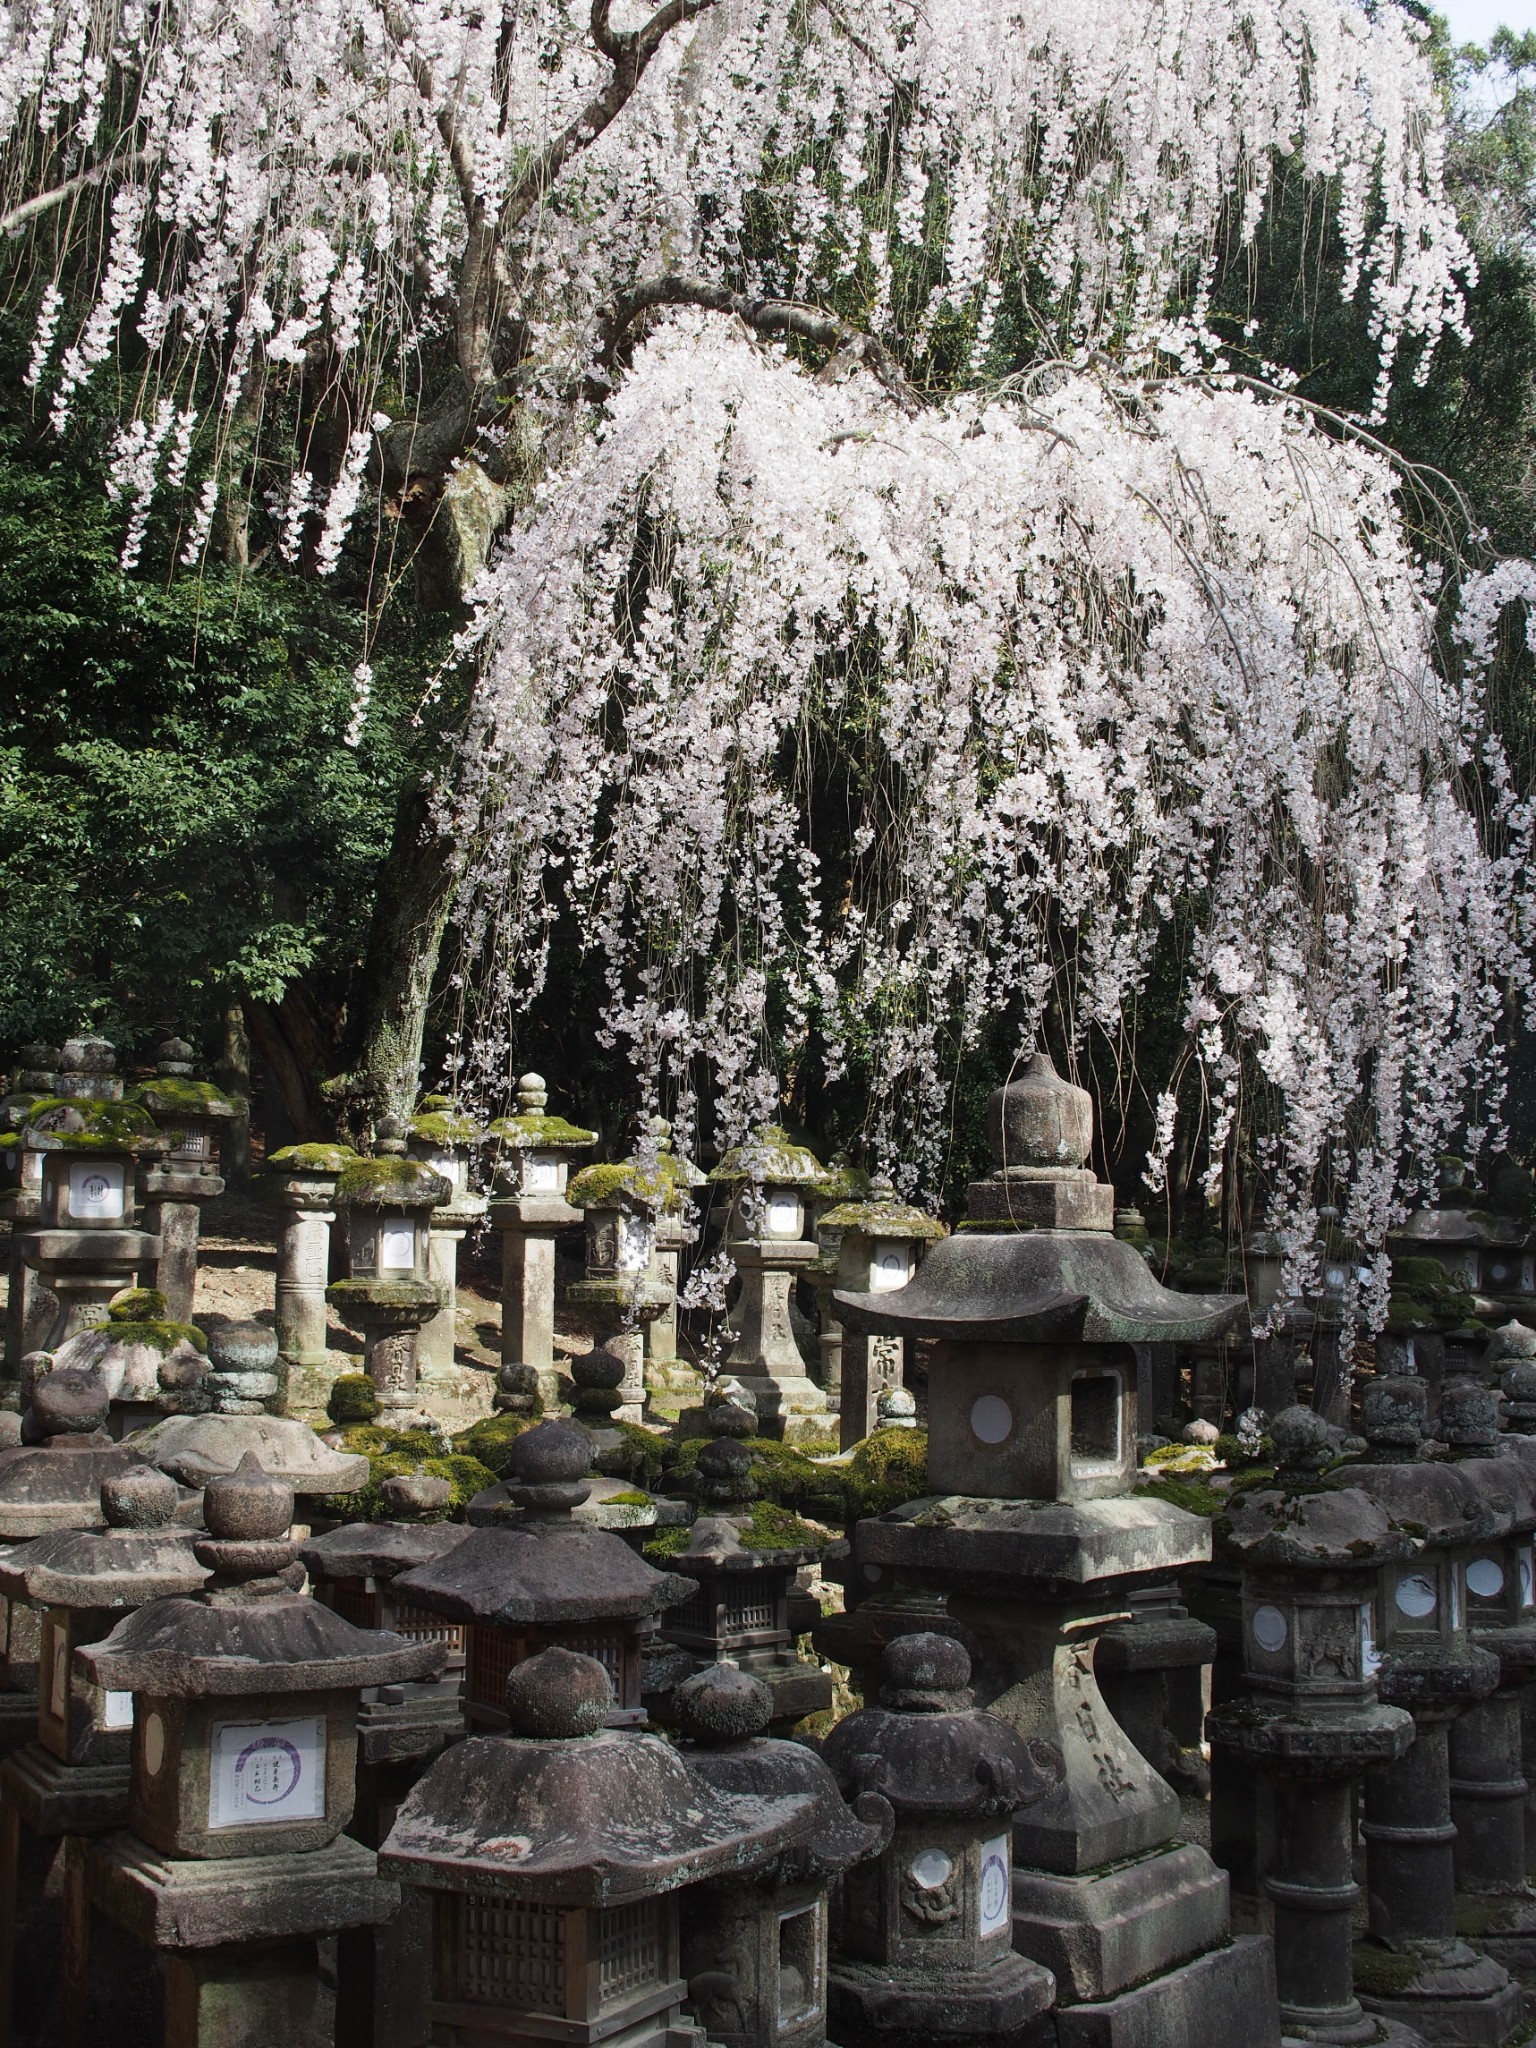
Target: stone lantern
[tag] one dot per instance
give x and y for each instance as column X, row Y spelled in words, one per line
column 1035, row 1543
column 926, row 1949
column 442, row 1138
column 530, row 1210
column 241, row 1780
column 740, row 1612
column 754, row 1953
column 772, row 1182
column 619, row 1293
column 72, row 1782
column 87, row 1246
column 191, row 1115
column 1309, row 1723
column 569, row 1928
column 30, row 1308
column 537, row 1578
column 301, row 1181
column 880, row 1241
column 665, row 1372
column 1427, row 1664
column 388, row 1293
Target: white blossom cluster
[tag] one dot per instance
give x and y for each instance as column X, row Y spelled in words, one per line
column 1098, row 657
column 292, row 182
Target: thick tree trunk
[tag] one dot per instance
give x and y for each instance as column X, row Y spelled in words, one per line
column 233, row 1074
column 297, row 1049
column 410, row 915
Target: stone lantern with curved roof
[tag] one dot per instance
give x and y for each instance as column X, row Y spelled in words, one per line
column 880, row 1239
column 388, row 1293
column 529, row 1210
column 771, row 1181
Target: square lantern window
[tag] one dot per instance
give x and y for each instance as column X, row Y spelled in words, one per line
column 783, row 1214
column 86, row 1193
column 1031, row 1421
column 1490, row 1595
column 386, row 1245
column 543, row 1173
column 1417, row 1602
column 890, row 1265
column 1097, row 1399
column 577, row 1973
column 77, row 1721
column 619, row 1241
column 801, row 1966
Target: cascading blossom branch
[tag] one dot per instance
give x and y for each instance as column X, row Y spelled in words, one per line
column 1084, row 657
column 329, row 188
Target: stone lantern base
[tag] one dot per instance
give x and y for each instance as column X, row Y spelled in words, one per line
column 83, row 1269
column 390, row 1314
column 869, row 2007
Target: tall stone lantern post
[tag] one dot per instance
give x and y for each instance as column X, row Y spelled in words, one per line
column 30, row 1308
column 387, row 1295
column 1029, row 1550
column 619, row 1292
column 529, row 1210
column 190, row 1114
column 772, row 1181
column 880, row 1241
column 442, row 1138
column 301, row 1181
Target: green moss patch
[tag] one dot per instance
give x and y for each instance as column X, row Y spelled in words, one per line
column 137, row 1305
column 665, row 1545
column 390, row 1183
column 1381, row 1974
column 158, row 1333
column 353, row 1398
column 169, row 1095
column 774, row 1528
column 1193, row 1495
column 889, row 1467
column 311, row 1158
column 490, row 1440
column 637, row 1456
column 394, row 1453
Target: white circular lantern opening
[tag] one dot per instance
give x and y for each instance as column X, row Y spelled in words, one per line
column 1269, row 1629
column 1415, row 1596
column 931, row 1868
column 1485, row 1578
column 991, row 1419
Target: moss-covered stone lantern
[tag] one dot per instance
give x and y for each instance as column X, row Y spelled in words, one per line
column 880, row 1241
column 926, row 1951
column 300, row 1181
column 192, row 1115
column 529, row 1209
column 558, row 1858
column 754, row 1952
column 441, row 1137
column 88, row 1245
column 771, row 1181
column 619, row 1292
column 538, row 1578
column 388, row 1293
column 667, row 1374
column 242, row 1777
column 71, row 1783
column 30, row 1308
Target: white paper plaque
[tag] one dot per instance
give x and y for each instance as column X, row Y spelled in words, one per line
column 996, row 1899
column 267, row 1771
column 96, row 1190
column 118, row 1711
column 542, row 1176
column 398, row 1246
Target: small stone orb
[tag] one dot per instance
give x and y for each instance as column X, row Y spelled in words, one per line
column 138, row 1499
column 89, row 1055
column 1469, row 1417
column 896, row 1409
column 725, row 1470
column 243, row 1347
column 1200, row 1431
column 1513, row 1343
column 722, row 1704
column 415, row 1496
column 558, row 1695
column 70, row 1402
column 598, row 1368
column 548, row 1454
column 1303, row 1440
column 924, row 1672
column 247, row 1504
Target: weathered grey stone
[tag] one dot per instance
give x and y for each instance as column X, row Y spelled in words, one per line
column 197, row 1448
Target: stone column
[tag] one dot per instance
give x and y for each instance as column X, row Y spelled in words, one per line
column 529, row 1226
column 435, row 1345
column 301, row 1181
column 765, row 1357
column 173, row 1203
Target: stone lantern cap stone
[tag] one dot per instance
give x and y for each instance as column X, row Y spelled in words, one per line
column 1513, row 1343
column 170, row 1096
column 57, row 1485
column 927, row 1750
column 379, row 1550
column 139, row 1556
column 1038, row 1287
column 771, row 1158
column 444, row 1128
column 642, row 1190
column 1438, row 1503
column 391, row 1183
column 82, row 1124
column 1340, row 1529
column 542, row 1572
column 990, row 1544
column 579, row 1819
column 715, row 1541
column 313, row 1158
column 186, row 1648
column 882, row 1213
column 197, row 1448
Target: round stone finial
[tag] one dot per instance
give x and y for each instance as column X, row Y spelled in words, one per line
column 1392, row 1413
column 173, row 1058
column 243, row 1347
column 1513, row 1343
column 896, row 1409
column 415, row 1496
column 70, row 1402
column 389, row 1137
column 597, row 1376
column 1303, row 1445
column 141, row 1498
column 550, row 1453
column 88, row 1054
column 558, row 1696
column 722, row 1704
column 248, row 1504
column 1039, row 1119
column 730, row 1410
column 1469, row 1417
column 725, row 1471
column 532, row 1095
column 925, row 1674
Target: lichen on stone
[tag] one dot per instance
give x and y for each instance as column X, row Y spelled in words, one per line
column 771, row 1157
column 610, row 1186
column 444, row 1128
column 533, row 1133
column 311, row 1158
column 169, row 1095
column 390, row 1183
column 884, row 1219
column 81, row 1123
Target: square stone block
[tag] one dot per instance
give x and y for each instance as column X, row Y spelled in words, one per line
column 1227, row 1996
column 1105, row 1931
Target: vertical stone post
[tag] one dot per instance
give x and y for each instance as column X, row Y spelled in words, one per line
column 529, row 1210
column 441, row 1137
column 191, row 1115
column 301, row 1181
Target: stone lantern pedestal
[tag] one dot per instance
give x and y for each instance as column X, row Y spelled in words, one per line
column 880, row 1240
column 1031, row 1548
column 190, row 1114
column 529, row 1210
column 300, row 1181
column 440, row 1137
column 388, row 1295
column 244, row 1749
column 773, row 1180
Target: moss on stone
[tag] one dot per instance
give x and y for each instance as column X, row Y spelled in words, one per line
column 771, row 1156
column 606, row 1187
column 630, row 1498
column 770, row 1527
column 884, row 1219
column 102, row 1126
column 137, row 1305
column 491, row 1440
column 636, row 1456
column 888, row 1468
column 665, row 1545
column 392, row 1454
column 159, row 1333
column 444, row 1128
column 170, row 1095
column 311, row 1158
column 390, row 1183
column 533, row 1133
column 1190, row 1494
column 1381, row 1974
column 353, row 1398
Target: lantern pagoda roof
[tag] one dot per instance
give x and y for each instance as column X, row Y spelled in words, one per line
column 379, row 1550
